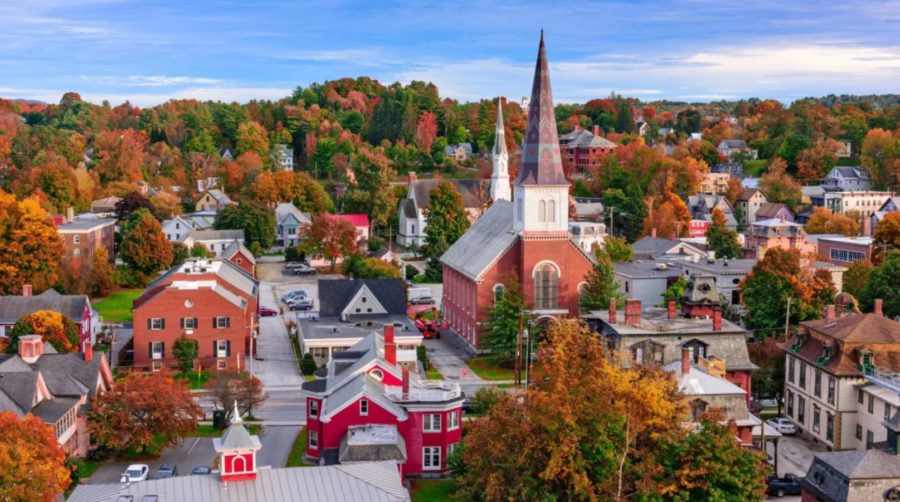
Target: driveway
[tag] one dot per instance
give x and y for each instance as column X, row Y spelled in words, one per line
column 446, row 358
column 795, row 455
column 276, row 445
column 189, row 453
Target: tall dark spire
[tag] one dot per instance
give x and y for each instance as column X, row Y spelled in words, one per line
column 541, row 161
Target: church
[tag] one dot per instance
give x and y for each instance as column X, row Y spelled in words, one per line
column 526, row 237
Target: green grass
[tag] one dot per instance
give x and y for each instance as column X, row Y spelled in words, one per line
column 754, row 168
column 432, row 373
column 433, row 490
column 117, row 306
column 195, row 380
column 295, row 459
column 489, row 370
column 86, row 468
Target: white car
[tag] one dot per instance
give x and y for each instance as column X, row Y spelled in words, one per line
column 782, row 425
column 136, row 472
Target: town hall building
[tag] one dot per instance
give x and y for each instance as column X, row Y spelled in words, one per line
column 527, row 237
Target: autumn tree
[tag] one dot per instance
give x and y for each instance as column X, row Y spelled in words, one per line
column 32, row 462
column 782, row 276
column 778, row 186
column 880, row 155
column 145, row 247
column 447, row 222
column 587, row 430
column 856, row 277
column 227, row 387
column 426, row 131
column 331, row 237
column 252, row 137
column 823, row 221
column 601, row 285
column 100, row 281
column 30, row 246
column 118, row 155
column 887, row 232
column 358, row 266
column 374, row 173
column 143, row 413
column 722, row 239
column 58, row 330
column 257, row 222
column 668, row 216
column 882, row 284
column 131, row 202
column 618, row 250
column 505, row 319
column 815, row 162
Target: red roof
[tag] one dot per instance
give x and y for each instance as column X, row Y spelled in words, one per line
column 357, row 220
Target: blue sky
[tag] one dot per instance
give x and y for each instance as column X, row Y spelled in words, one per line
column 148, row 51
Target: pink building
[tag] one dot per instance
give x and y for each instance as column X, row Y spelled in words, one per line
column 367, row 409
column 775, row 233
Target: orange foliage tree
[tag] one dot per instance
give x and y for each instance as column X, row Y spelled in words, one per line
column 118, row 155
column 143, row 413
column 330, row 237
column 816, row 161
column 30, row 247
column 426, row 132
column 667, row 215
column 823, row 221
column 778, row 186
column 887, row 232
column 145, row 247
column 60, row 331
column 32, row 463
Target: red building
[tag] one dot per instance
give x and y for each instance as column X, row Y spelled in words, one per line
column 75, row 307
column 527, row 238
column 211, row 301
column 83, row 237
column 238, row 254
column 585, row 150
column 367, row 409
column 844, row 250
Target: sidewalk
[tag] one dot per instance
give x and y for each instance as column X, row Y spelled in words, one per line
column 275, row 364
column 446, row 359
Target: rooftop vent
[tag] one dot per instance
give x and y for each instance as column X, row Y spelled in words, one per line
column 661, row 266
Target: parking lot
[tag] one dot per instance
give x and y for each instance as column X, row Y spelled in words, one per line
column 189, row 453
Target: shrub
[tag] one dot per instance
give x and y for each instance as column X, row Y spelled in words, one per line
column 308, row 365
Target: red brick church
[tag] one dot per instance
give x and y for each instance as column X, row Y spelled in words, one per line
column 527, row 237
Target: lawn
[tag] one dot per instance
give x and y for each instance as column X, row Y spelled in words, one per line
column 489, row 370
column 432, row 490
column 295, row 459
column 195, row 380
column 433, row 373
column 117, row 306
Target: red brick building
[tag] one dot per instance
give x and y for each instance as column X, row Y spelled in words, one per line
column 368, row 409
column 82, row 237
column 238, row 254
column 527, row 238
column 585, row 150
column 211, row 301
column 844, row 250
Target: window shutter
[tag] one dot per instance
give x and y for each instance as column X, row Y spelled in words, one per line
column 227, row 322
column 150, row 349
column 163, row 344
column 228, row 348
column 182, row 323
column 215, row 352
column 149, row 323
column 163, row 321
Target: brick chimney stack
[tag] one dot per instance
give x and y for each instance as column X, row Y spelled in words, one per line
column 672, row 314
column 596, row 131
column 390, row 348
column 717, row 320
column 412, row 176
column 88, row 351
column 612, row 311
column 31, row 348
column 405, row 383
column 829, row 314
column 685, row 360
column 839, row 311
column 633, row 312
column 26, row 290
column 878, row 307
column 653, row 232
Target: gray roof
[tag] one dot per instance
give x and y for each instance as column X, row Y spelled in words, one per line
column 13, row 308
column 408, row 206
column 69, row 375
column 367, row 481
column 236, row 437
column 85, row 224
column 19, row 388
column 51, row 410
column 335, row 294
column 733, row 143
column 849, row 172
column 645, row 269
column 228, row 271
column 236, row 246
column 217, row 235
column 220, row 196
column 485, row 241
column 475, row 193
column 653, row 246
column 862, row 464
column 285, row 209
column 357, row 446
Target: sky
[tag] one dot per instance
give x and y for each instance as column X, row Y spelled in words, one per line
column 150, row 51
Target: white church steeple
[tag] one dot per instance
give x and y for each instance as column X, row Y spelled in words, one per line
column 500, row 158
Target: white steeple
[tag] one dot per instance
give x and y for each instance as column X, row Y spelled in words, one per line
column 500, row 176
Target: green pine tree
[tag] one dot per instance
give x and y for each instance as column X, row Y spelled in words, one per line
column 601, row 285
column 447, row 222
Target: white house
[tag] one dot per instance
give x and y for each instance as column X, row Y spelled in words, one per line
column 283, row 156
column 177, row 228
column 845, row 179
column 216, row 241
column 289, row 222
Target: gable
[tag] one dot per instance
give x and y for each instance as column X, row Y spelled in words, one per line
column 363, row 302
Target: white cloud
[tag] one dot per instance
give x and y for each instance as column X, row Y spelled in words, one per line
column 152, row 80
column 226, row 94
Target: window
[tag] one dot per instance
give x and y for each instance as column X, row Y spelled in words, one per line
column 498, row 292
column 156, row 323
column 313, row 408
column 156, row 366
column 188, row 323
column 698, row 350
column 816, row 414
column 790, row 404
column 377, row 374
column 157, row 350
column 801, row 410
column 829, row 427
column 859, row 396
column 221, row 322
column 76, row 239
column 698, row 408
column 847, row 256
column 802, row 379
column 859, row 432
column 222, row 348
column 790, row 375
column 871, row 406
column 363, row 407
column 453, row 420
column 542, row 211
column 887, row 411
column 551, row 210
column 431, row 458
column 313, row 440
column 647, row 352
column 432, row 423
column 546, row 284
column 452, row 449
column 221, row 364
column 817, row 384
column 830, row 389
column 870, row 439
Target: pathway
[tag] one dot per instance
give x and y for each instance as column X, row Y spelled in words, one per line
column 275, row 364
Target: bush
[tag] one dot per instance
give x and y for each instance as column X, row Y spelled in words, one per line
column 422, row 355
column 294, row 254
column 485, row 399
column 375, row 243
column 308, row 364
column 418, row 279
column 411, row 272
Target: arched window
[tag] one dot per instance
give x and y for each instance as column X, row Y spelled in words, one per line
column 546, row 285
column 498, row 292
column 551, row 210
column 542, row 211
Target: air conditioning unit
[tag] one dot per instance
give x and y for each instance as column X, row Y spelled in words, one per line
column 188, row 332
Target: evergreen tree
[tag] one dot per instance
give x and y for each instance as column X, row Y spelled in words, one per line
column 257, row 222
column 601, row 285
column 721, row 239
column 186, row 351
column 308, row 364
column 447, row 222
column 882, row 284
column 505, row 319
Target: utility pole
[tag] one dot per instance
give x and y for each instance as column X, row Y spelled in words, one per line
column 519, row 350
column 252, row 341
column 611, row 211
column 787, row 319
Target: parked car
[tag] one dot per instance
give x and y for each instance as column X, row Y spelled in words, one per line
column 302, row 270
column 267, row 312
column 788, row 485
column 302, row 304
column 294, row 264
column 166, row 471
column 201, row 470
column 783, row 425
column 423, row 300
column 294, row 294
column 136, row 472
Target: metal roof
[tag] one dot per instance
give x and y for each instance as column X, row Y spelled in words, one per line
column 13, row 308
column 485, row 241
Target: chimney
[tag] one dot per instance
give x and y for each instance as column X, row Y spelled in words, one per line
column 412, row 176
column 633, row 312
column 838, row 311
column 717, row 320
column 70, row 214
column 877, row 310
column 829, row 314
column 88, row 351
column 711, row 256
column 596, row 131
column 390, row 349
column 405, row 383
column 31, row 347
column 26, row 290
column 612, row 311
column 671, row 305
column 685, row 360
column 653, row 232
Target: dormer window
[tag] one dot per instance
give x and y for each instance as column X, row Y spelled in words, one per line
column 697, row 348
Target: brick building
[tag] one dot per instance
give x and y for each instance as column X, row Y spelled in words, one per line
column 211, row 301
column 528, row 237
column 82, row 237
column 75, row 307
column 844, row 250
column 585, row 149
column 368, row 409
